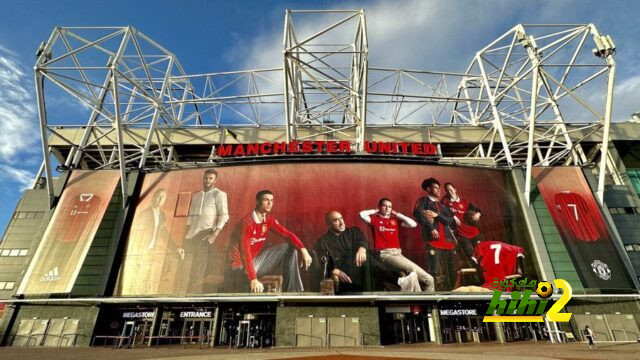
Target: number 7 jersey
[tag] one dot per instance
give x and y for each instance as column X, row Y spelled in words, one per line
column 497, row 259
column 576, row 215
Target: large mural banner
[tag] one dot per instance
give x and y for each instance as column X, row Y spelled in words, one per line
column 68, row 236
column 284, row 227
column 578, row 218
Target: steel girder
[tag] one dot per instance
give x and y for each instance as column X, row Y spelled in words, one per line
column 534, row 80
column 537, row 79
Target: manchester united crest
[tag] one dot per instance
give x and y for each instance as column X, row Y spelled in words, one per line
column 393, row 222
column 601, row 269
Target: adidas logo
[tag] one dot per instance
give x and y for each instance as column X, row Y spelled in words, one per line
column 52, row 275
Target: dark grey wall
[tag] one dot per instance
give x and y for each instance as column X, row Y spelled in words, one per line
column 286, row 320
column 25, row 230
column 86, row 314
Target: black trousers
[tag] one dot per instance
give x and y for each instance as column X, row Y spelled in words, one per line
column 371, row 276
column 279, row 259
column 442, row 267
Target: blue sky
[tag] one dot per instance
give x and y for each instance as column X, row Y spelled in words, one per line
column 211, row 36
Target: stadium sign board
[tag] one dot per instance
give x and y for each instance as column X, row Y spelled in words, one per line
column 327, row 147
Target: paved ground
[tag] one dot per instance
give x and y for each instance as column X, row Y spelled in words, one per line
column 520, row 351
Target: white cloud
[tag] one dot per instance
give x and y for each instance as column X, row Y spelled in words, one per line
column 626, row 100
column 18, row 126
column 444, row 36
column 11, row 174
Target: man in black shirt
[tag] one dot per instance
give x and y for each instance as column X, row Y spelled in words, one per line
column 351, row 261
column 437, row 223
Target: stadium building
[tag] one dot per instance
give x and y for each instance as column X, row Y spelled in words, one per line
column 325, row 202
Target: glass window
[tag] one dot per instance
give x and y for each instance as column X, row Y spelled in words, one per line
column 24, row 252
column 9, row 285
column 636, row 247
column 5, row 252
column 2, row 284
column 628, row 247
column 14, row 252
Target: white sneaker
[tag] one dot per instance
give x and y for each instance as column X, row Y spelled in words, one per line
column 416, row 285
column 407, row 283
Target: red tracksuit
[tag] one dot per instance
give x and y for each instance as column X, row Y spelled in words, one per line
column 252, row 239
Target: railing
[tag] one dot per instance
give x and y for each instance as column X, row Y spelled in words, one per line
column 355, row 340
column 35, row 338
column 67, row 337
column 311, row 337
column 294, row 339
column 13, row 339
column 625, row 333
column 117, row 341
column 106, row 339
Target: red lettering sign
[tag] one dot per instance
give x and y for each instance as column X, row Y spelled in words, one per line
column 325, row 147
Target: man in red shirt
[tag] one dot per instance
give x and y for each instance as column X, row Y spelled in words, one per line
column 437, row 222
column 384, row 222
column 248, row 258
column 466, row 216
column 498, row 260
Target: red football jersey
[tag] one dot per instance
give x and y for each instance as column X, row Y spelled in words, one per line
column 385, row 232
column 252, row 239
column 459, row 208
column 497, row 259
column 577, row 215
column 75, row 215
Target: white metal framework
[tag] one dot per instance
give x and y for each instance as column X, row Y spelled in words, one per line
column 325, row 76
column 537, row 91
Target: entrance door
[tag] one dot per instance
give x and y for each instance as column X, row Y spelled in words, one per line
column 198, row 331
column 408, row 328
column 141, row 331
column 165, row 327
column 24, row 331
column 69, row 332
column 344, row 331
column 207, row 332
column 486, row 331
column 623, row 327
column 244, row 328
column 311, row 332
column 38, row 332
column 191, row 331
column 419, row 329
column 597, row 325
column 54, row 333
column 127, row 334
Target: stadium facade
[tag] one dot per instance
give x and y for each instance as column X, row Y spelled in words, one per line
column 326, row 202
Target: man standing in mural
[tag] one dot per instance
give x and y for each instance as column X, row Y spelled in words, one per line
column 384, row 222
column 208, row 213
column 249, row 259
column 350, row 261
column 154, row 255
column 466, row 217
column 437, row 222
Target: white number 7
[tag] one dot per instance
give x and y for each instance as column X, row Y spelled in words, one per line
column 575, row 210
column 496, row 254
